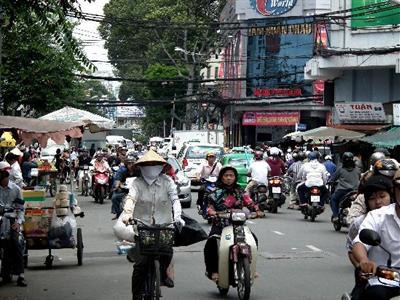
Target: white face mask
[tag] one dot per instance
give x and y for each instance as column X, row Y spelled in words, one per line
column 150, row 173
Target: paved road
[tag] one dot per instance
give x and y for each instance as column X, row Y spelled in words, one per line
column 297, row 260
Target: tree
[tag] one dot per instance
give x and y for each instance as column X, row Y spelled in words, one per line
column 144, row 32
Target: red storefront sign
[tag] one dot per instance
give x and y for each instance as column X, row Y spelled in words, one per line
column 277, row 92
column 271, row 118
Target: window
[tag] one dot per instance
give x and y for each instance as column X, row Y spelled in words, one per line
column 208, row 72
column 216, row 72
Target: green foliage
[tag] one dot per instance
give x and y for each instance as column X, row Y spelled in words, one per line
column 39, row 59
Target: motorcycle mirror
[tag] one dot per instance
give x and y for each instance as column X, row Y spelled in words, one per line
column 370, row 237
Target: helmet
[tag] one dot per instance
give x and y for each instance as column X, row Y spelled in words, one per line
column 274, row 151
column 384, row 151
column 347, row 157
column 386, row 167
column 375, row 157
column 258, row 155
column 313, row 155
column 302, row 155
column 376, row 183
column 210, row 153
column 296, row 156
column 328, row 157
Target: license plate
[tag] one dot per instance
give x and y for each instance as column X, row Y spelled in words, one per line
column 86, row 167
column 315, row 198
column 276, row 189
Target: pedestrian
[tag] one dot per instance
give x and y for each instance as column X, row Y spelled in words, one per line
column 26, row 167
column 15, row 172
column 10, row 229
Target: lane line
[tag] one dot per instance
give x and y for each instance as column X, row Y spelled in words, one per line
column 250, row 222
column 278, row 232
column 313, row 248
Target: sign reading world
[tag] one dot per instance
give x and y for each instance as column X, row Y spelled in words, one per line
column 273, row 7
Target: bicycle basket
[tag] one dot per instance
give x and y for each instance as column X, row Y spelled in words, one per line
column 155, row 241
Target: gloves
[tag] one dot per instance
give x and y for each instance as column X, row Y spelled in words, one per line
column 179, row 223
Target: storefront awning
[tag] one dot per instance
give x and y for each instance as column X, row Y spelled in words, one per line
column 387, row 139
column 365, row 128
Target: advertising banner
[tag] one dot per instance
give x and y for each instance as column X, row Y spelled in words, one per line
column 374, row 14
column 396, row 114
column 360, row 112
column 270, row 118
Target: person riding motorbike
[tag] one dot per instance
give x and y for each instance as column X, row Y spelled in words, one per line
column 293, row 172
column 330, row 165
column 385, row 221
column 258, row 172
column 347, row 178
column 127, row 171
column 275, row 162
column 100, row 165
column 227, row 196
column 312, row 173
column 152, row 198
column 210, row 167
column 385, row 167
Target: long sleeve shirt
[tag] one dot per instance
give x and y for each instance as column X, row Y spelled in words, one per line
column 10, row 197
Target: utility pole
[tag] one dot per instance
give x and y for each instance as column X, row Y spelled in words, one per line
column 172, row 114
column 1, row 54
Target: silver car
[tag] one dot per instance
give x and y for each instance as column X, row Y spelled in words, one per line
column 182, row 182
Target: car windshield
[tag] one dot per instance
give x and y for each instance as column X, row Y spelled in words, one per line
column 174, row 163
column 238, row 162
column 197, row 152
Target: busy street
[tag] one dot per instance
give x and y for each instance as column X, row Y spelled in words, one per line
column 297, row 260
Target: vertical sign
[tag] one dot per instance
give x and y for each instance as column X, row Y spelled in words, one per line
column 396, row 114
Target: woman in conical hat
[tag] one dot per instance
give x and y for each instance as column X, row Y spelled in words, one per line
column 152, row 198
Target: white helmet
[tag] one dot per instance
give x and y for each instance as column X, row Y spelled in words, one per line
column 274, row 151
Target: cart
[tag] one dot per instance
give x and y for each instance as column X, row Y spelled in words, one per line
column 46, row 179
column 38, row 217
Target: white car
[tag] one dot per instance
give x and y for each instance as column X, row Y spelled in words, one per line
column 182, row 183
column 191, row 155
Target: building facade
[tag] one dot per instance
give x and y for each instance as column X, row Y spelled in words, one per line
column 268, row 53
column 362, row 62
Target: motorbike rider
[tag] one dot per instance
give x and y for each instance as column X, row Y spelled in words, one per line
column 228, row 195
column 126, row 171
column 100, row 165
column 210, row 167
column 293, row 172
column 13, row 249
column 386, row 167
column 312, row 173
column 347, row 178
column 258, row 172
column 275, row 162
column 83, row 160
column 152, row 198
column 385, row 221
column 330, row 166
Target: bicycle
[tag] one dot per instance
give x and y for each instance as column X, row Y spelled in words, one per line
column 153, row 241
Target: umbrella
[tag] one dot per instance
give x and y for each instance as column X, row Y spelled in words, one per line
column 330, row 133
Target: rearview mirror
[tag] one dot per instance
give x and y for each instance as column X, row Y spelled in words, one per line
column 370, row 237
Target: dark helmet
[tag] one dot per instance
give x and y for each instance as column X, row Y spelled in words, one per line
column 386, row 167
column 377, row 183
column 296, row 156
column 347, row 156
column 258, row 155
column 375, row 157
column 313, row 155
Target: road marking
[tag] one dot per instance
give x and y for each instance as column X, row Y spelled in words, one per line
column 294, row 248
column 251, row 222
column 278, row 232
column 313, row 248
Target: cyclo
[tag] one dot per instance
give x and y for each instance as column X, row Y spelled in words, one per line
column 153, row 241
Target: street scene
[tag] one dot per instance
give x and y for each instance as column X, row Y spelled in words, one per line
column 221, row 149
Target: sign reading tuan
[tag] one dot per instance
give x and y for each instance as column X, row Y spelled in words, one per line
column 273, row 7
column 360, row 112
column 270, row 118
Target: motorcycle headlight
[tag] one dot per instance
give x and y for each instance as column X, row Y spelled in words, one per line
column 238, row 216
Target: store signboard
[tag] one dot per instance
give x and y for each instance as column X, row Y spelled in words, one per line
column 396, row 114
column 271, row 118
column 273, row 7
column 360, row 112
column 374, row 14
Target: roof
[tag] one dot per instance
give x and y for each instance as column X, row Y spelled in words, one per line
column 387, row 139
column 365, row 128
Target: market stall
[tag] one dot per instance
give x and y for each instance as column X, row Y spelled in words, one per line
column 324, row 133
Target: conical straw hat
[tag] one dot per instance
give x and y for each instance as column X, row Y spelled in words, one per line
column 151, row 157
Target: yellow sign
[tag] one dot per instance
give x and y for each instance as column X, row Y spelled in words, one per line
column 7, row 140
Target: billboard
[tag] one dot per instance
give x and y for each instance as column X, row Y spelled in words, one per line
column 277, row 118
column 360, row 112
column 374, row 16
column 129, row 112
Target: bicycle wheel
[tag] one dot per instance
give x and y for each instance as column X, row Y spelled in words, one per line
column 157, row 290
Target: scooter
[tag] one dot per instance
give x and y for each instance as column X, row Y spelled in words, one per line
column 344, row 207
column 277, row 198
column 100, row 186
column 387, row 275
column 210, row 186
column 312, row 209
column 260, row 196
column 237, row 255
column 85, row 180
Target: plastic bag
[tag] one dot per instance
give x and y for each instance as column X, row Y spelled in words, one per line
column 123, row 232
column 62, row 231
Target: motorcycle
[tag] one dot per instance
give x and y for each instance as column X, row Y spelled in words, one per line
column 85, row 180
column 312, row 208
column 65, row 174
column 276, row 197
column 260, row 195
column 210, row 186
column 387, row 275
column 344, row 207
column 237, row 255
column 100, row 186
